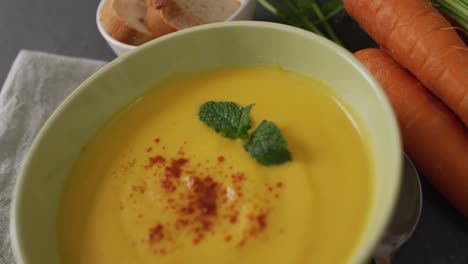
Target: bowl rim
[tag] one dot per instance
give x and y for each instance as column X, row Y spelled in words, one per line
column 367, row 244
column 121, row 45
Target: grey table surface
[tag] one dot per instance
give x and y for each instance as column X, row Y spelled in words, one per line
column 68, row 27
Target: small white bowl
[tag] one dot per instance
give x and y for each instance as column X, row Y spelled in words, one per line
column 244, row 12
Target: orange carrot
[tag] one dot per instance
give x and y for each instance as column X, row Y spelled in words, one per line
column 421, row 40
column 433, row 136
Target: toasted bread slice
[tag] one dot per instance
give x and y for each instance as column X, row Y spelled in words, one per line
column 124, row 21
column 166, row 16
column 210, row 10
column 154, row 21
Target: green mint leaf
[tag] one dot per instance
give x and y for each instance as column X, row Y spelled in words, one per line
column 267, row 145
column 227, row 118
column 244, row 123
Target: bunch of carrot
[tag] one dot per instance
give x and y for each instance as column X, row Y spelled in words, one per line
column 431, row 98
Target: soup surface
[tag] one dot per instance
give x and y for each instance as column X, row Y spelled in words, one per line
column 156, row 185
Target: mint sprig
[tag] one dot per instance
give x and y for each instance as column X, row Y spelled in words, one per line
column 267, row 145
column 227, row 118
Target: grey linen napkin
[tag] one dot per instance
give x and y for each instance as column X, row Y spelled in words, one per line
column 35, row 86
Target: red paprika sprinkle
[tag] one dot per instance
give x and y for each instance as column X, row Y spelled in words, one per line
column 175, row 169
column 180, row 223
column 156, row 159
column 198, row 238
column 201, row 196
column 206, row 192
column 233, row 219
column 241, row 243
column 167, row 185
column 138, row 188
column 149, row 149
column 157, row 140
column 187, row 210
column 261, row 220
column 206, row 225
column 156, row 233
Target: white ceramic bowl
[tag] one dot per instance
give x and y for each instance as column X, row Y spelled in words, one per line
column 245, row 12
column 37, row 195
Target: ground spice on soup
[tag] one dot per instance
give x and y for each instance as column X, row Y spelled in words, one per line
column 202, row 198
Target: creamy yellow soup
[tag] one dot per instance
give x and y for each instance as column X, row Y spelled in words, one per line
column 156, row 185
